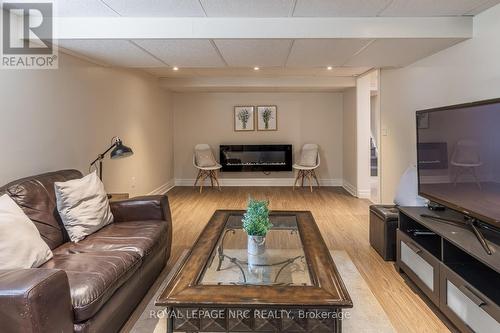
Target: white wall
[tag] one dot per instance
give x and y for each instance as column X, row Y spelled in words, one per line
column 349, row 151
column 466, row 72
column 302, row 118
column 56, row 119
column 363, row 110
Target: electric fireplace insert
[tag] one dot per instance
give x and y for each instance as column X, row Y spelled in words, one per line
column 239, row 158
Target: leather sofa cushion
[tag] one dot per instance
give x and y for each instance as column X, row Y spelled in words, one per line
column 36, row 196
column 94, row 277
column 140, row 237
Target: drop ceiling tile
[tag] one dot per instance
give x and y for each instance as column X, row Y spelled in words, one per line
column 184, row 53
column 246, row 8
column 399, row 52
column 114, row 52
column 254, row 52
column 79, row 8
column 486, row 5
column 333, row 8
column 323, row 52
column 147, row 8
column 431, row 7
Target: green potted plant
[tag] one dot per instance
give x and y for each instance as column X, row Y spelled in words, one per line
column 256, row 224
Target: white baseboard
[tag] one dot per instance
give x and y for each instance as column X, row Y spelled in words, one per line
column 163, row 188
column 355, row 192
column 350, row 188
column 364, row 194
column 258, row 182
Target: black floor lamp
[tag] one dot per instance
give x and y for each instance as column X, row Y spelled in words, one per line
column 119, row 151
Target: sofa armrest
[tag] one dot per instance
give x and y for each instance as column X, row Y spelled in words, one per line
column 35, row 300
column 151, row 207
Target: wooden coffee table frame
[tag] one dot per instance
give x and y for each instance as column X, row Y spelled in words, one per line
column 327, row 292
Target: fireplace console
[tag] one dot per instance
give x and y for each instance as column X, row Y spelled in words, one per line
column 240, row 158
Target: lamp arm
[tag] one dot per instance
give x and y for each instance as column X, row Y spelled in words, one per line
column 101, row 156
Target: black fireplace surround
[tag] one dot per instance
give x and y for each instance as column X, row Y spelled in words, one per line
column 239, row 158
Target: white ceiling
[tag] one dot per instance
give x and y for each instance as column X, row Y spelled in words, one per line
column 271, row 8
column 276, row 57
column 116, row 52
column 254, row 52
column 232, row 54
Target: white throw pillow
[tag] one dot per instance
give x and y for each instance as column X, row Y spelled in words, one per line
column 407, row 192
column 205, row 158
column 309, row 157
column 83, row 206
column 21, row 245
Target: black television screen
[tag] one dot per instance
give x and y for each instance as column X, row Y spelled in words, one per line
column 458, row 150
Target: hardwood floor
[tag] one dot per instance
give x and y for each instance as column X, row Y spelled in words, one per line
column 343, row 221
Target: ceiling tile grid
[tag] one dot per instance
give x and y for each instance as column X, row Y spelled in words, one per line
column 324, row 52
column 254, row 52
column 114, row 52
column 398, row 52
column 156, row 8
column 248, row 8
column 82, row 8
column 270, row 8
column 334, row 8
column 183, row 53
column 422, row 8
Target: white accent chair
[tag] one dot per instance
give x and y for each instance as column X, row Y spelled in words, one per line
column 207, row 169
column 309, row 162
column 466, row 159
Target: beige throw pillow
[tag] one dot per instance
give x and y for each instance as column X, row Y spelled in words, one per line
column 205, row 158
column 83, row 206
column 21, row 245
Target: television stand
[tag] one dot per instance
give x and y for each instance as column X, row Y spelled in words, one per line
column 470, row 223
column 450, row 267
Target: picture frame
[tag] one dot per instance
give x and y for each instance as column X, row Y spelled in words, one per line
column 244, row 118
column 267, row 118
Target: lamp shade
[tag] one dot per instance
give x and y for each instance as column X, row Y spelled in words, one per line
column 120, row 150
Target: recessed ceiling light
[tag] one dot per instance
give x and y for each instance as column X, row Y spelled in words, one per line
column 256, row 68
column 175, row 68
column 329, row 68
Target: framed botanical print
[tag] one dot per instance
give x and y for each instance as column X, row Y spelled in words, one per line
column 267, row 118
column 244, row 118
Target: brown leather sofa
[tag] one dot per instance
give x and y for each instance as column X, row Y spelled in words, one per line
column 90, row 286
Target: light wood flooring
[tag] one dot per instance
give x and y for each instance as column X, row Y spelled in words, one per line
column 343, row 221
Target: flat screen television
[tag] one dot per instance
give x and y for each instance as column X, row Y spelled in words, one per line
column 458, row 152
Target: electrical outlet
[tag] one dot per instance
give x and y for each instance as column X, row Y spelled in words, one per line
column 385, row 131
column 133, row 182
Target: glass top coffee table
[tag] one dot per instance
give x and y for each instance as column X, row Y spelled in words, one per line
column 293, row 286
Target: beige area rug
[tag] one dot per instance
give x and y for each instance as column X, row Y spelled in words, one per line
column 367, row 316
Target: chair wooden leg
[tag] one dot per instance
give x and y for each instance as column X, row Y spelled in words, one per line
column 303, row 176
column 212, row 178
column 203, row 178
column 297, row 179
column 216, row 178
column 197, row 178
column 315, row 177
column 476, row 178
column 309, row 177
